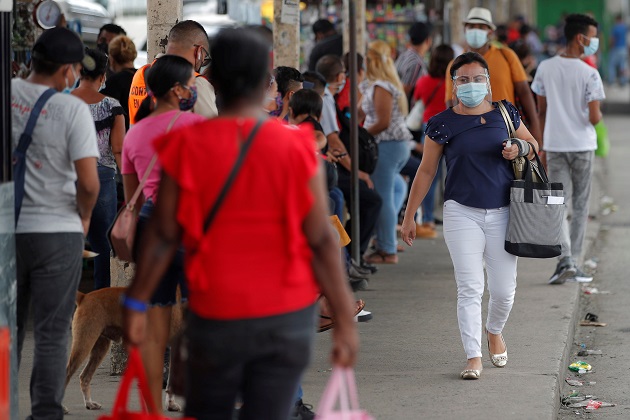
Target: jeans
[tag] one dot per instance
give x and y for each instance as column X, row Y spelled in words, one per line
column 103, row 216
column 618, row 65
column 475, row 236
column 48, row 274
column 575, row 171
column 261, row 358
column 369, row 208
column 400, row 192
column 336, row 202
column 392, row 156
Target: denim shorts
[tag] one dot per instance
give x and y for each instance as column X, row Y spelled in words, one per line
column 165, row 294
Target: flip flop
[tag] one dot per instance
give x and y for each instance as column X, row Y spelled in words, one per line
column 379, row 257
column 326, row 322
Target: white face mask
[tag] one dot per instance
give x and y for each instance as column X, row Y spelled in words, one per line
column 103, row 85
column 476, row 38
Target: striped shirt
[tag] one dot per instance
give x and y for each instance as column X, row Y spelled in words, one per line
column 410, row 67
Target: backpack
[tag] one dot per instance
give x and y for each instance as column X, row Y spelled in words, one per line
column 368, row 148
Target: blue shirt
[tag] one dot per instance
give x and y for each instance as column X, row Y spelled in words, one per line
column 619, row 34
column 477, row 174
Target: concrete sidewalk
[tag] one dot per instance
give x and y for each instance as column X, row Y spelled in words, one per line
column 411, row 352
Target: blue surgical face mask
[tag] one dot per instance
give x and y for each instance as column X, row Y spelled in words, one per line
column 472, row 94
column 591, row 48
column 186, row 104
column 476, row 38
column 68, row 89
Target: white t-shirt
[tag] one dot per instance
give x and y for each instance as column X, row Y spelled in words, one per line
column 64, row 133
column 568, row 84
column 329, row 114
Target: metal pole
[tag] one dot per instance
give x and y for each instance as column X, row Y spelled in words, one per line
column 8, row 278
column 354, row 134
column 5, row 85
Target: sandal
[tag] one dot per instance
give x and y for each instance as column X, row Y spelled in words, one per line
column 380, row 257
column 327, row 322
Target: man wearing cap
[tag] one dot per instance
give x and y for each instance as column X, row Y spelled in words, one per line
column 508, row 79
column 410, row 64
column 56, row 184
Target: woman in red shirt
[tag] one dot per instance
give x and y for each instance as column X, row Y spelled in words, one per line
column 431, row 90
column 255, row 274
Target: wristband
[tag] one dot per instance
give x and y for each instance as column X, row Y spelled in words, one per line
column 523, row 147
column 133, row 304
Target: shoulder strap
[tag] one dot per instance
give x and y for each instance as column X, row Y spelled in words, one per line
column 19, row 154
column 430, row 98
column 506, row 118
column 232, row 176
column 143, row 181
column 27, row 135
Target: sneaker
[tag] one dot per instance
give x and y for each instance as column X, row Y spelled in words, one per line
column 354, row 272
column 358, row 284
column 302, row 411
column 562, row 273
column 363, row 271
column 580, row 277
column 371, row 267
column 363, row 316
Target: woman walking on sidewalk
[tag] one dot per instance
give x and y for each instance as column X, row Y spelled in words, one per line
column 254, row 273
column 472, row 137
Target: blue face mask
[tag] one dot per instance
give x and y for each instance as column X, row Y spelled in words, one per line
column 341, row 85
column 68, row 89
column 591, row 48
column 186, row 104
column 472, row 94
column 476, row 38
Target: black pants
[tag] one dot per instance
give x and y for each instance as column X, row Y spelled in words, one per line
column 262, row 359
column 369, row 208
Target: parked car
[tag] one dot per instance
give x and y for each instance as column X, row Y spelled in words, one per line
column 85, row 17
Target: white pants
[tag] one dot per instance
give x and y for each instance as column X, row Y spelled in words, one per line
column 473, row 236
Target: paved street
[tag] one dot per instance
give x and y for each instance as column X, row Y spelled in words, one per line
column 411, row 351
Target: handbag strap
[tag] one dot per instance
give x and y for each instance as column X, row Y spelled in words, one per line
column 134, row 370
column 506, row 118
column 19, row 153
column 232, row 176
column 430, row 98
column 132, row 202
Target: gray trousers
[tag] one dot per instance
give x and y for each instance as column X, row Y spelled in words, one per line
column 48, row 273
column 575, row 171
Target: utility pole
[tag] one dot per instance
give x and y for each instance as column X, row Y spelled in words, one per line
column 359, row 24
column 161, row 16
column 286, row 33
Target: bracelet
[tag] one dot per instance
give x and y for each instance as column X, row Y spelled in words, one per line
column 133, row 304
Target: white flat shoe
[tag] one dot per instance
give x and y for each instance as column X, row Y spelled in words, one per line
column 470, row 374
column 501, row 359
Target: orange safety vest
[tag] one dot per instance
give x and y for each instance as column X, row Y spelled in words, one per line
column 138, row 91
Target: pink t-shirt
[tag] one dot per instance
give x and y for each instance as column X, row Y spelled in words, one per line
column 138, row 146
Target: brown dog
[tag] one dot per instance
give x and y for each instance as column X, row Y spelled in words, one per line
column 96, row 323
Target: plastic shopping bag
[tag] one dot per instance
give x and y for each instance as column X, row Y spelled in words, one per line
column 341, row 386
column 135, row 370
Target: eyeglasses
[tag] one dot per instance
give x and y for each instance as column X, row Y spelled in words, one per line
column 464, row 80
column 207, row 59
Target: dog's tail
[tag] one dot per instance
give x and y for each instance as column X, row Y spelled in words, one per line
column 80, row 297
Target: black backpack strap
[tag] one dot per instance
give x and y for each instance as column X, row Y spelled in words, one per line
column 19, row 154
column 232, row 176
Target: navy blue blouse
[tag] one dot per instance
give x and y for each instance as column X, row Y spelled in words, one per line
column 477, row 174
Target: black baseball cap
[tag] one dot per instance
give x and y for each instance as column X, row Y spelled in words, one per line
column 62, row 46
